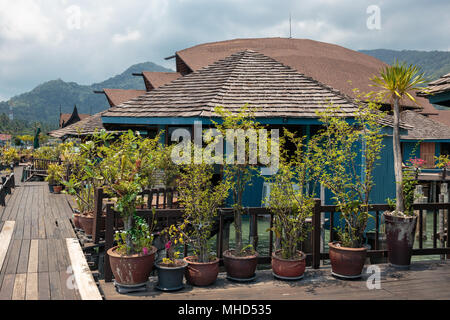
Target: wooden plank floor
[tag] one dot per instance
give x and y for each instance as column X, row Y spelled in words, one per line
column 425, row 280
column 37, row 263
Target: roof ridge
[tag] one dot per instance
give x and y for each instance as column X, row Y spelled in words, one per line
column 221, row 91
column 294, row 71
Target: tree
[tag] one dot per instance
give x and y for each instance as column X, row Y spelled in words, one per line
column 337, row 148
column 397, row 82
column 241, row 172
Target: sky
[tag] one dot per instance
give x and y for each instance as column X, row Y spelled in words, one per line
column 89, row 41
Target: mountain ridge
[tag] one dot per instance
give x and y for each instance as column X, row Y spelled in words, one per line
column 43, row 103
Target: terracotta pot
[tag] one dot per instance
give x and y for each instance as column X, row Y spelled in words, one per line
column 240, row 268
column 288, row 269
column 347, row 262
column 87, row 224
column 400, row 233
column 57, row 189
column 170, row 278
column 131, row 270
column 76, row 220
column 201, row 274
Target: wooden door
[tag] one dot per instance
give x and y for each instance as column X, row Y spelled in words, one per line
column 427, row 153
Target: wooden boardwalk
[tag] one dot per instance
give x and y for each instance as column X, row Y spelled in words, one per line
column 425, row 281
column 36, row 263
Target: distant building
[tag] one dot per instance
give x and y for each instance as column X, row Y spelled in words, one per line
column 5, row 139
column 66, row 119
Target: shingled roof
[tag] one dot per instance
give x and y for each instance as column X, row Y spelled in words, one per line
column 440, row 85
column 155, row 80
column 425, row 128
column 332, row 65
column 243, row 77
column 117, row 96
column 84, row 127
column 442, row 116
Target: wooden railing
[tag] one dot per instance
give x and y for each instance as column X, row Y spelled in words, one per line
column 165, row 217
column 377, row 210
column 8, row 183
column 39, row 167
column 163, row 198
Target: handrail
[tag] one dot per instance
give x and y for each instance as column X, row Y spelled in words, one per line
column 8, row 183
column 167, row 216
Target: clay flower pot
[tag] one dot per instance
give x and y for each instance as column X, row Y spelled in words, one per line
column 57, row 189
column 132, row 270
column 286, row 269
column 240, row 268
column 87, row 223
column 76, row 220
column 201, row 273
column 400, row 233
column 170, row 278
column 347, row 262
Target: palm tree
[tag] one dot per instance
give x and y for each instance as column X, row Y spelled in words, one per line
column 397, row 82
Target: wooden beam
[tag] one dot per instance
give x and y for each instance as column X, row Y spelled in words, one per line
column 5, row 239
column 83, row 277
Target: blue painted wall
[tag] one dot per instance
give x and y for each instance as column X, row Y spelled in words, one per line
column 410, row 150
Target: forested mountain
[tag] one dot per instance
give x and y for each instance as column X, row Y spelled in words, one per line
column 43, row 102
column 434, row 63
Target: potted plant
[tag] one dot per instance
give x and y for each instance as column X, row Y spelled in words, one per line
column 200, row 200
column 292, row 201
column 338, row 146
column 55, row 177
column 240, row 262
column 398, row 82
column 127, row 165
column 10, row 156
column 171, row 269
column 82, row 183
column 401, row 228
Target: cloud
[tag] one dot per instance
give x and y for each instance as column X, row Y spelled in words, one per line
column 88, row 41
column 131, row 35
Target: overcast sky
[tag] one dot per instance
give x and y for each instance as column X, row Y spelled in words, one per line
column 88, row 41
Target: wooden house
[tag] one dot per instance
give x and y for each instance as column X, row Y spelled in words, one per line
column 284, row 97
column 66, row 119
column 88, row 125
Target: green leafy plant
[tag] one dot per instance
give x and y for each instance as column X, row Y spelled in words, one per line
column 9, row 155
column 240, row 172
column 292, row 195
column 84, row 177
column 141, row 235
column 55, row 174
column 337, row 150
column 174, row 236
column 398, row 82
column 126, row 166
column 443, row 161
column 200, row 199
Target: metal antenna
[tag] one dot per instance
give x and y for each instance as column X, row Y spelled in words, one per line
column 290, row 26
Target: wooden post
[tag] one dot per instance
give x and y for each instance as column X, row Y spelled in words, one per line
column 316, row 225
column 254, row 230
column 422, row 223
column 443, row 198
column 98, row 194
column 109, row 240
